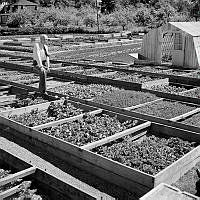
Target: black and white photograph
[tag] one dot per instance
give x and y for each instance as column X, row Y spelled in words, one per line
column 99, row 99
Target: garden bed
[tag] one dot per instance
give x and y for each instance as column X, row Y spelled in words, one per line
column 47, row 112
column 193, row 75
column 91, row 71
column 113, row 171
column 21, row 100
column 189, row 180
column 86, row 91
column 18, row 188
column 91, row 128
column 172, row 89
column 125, row 98
column 166, row 109
column 149, row 154
column 195, row 93
column 21, row 77
column 193, row 120
column 167, row 191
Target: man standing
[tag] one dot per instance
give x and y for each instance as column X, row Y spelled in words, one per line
column 41, row 61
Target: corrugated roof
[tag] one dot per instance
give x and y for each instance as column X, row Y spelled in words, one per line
column 24, row 3
column 192, row 28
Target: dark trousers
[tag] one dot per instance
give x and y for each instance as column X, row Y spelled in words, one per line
column 43, row 76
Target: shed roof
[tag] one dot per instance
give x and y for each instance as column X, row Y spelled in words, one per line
column 192, row 28
column 24, row 3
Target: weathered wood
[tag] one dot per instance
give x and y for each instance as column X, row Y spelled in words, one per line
column 7, row 98
column 44, row 106
column 48, row 174
column 183, row 116
column 65, row 120
column 143, row 104
column 103, row 74
column 16, row 176
column 177, row 169
column 111, row 171
column 116, row 136
column 9, row 192
column 155, row 82
column 164, row 191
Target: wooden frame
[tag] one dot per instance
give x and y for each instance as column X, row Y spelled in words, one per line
column 44, row 106
column 167, row 191
column 62, row 183
column 126, row 177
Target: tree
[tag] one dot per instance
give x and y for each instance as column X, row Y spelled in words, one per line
column 143, row 16
column 19, row 18
column 108, row 6
column 195, row 10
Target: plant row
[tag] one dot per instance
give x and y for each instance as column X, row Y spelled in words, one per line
column 165, row 109
column 20, row 77
column 55, row 111
column 168, row 89
column 24, row 190
column 124, row 98
column 91, row 71
column 193, row 120
column 193, row 93
column 150, row 154
column 89, row 129
column 84, row 91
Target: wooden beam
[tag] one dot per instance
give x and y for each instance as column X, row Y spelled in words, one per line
column 6, row 87
column 16, row 176
column 143, row 104
column 161, row 81
column 10, row 192
column 65, row 120
column 7, row 98
column 183, row 116
column 117, row 136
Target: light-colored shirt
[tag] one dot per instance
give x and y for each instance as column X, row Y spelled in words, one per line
column 39, row 53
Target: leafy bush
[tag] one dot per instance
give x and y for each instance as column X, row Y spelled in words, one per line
column 19, row 18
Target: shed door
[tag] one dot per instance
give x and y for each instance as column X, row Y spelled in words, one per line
column 178, row 51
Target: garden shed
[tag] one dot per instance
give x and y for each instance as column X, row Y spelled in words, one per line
column 178, row 42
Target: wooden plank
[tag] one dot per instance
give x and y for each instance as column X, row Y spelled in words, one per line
column 18, row 111
column 116, row 136
column 44, row 106
column 87, row 157
column 7, row 98
column 143, row 104
column 6, row 87
column 183, row 116
column 49, row 175
column 177, row 169
column 164, row 191
column 16, row 176
column 156, row 82
column 10, row 192
column 65, row 120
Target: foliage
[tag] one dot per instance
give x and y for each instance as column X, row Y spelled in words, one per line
column 84, row 91
column 89, row 129
column 194, row 93
column 193, row 120
column 27, row 100
column 168, row 89
column 124, row 98
column 55, row 111
column 19, row 18
column 165, row 109
column 150, row 154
